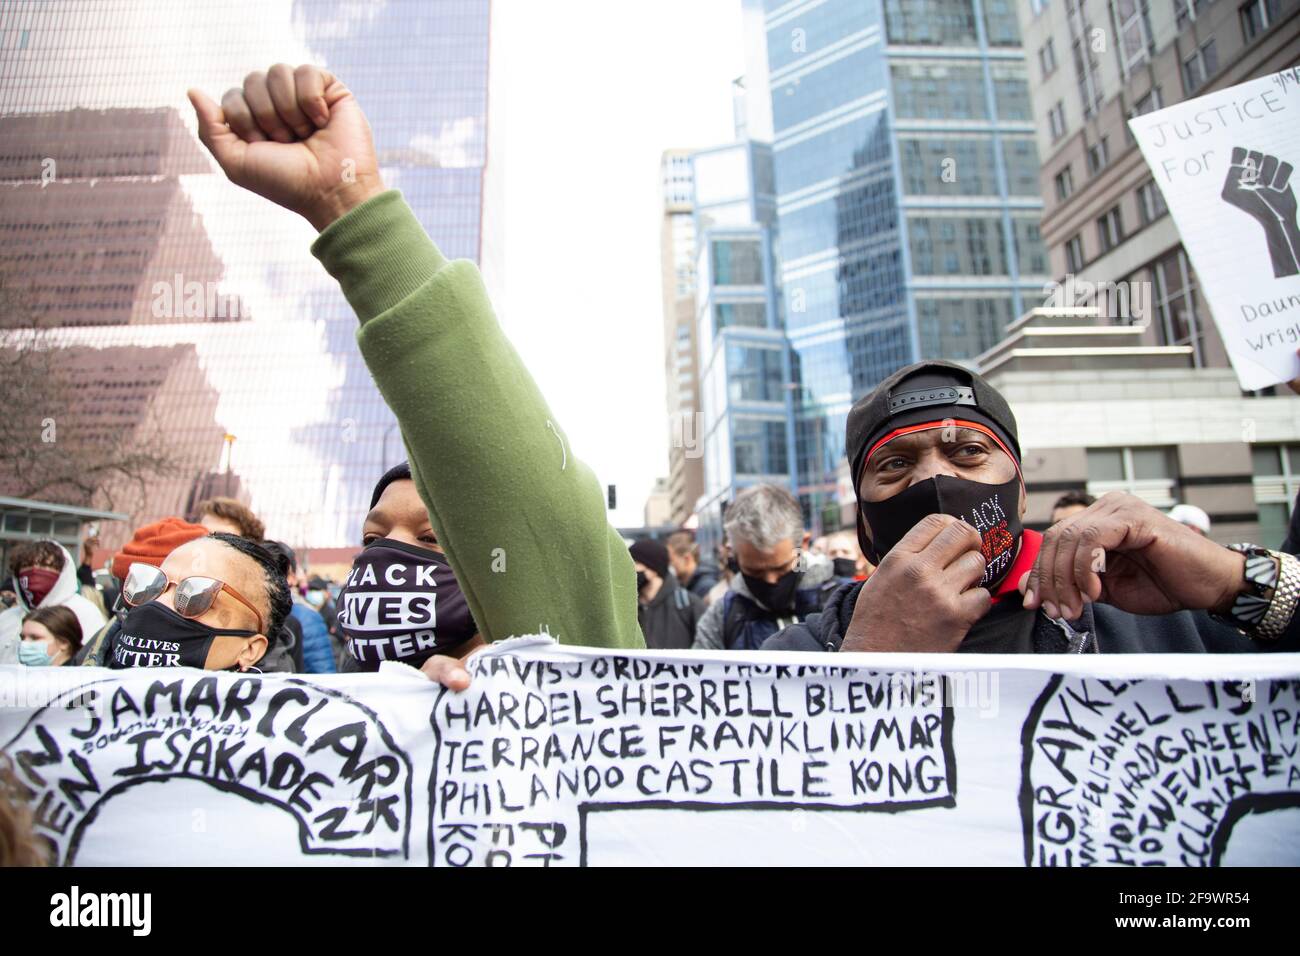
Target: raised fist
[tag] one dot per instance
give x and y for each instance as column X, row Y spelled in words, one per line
column 296, row 137
column 1260, row 186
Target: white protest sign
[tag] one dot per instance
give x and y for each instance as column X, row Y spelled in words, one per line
column 1225, row 163
column 566, row 756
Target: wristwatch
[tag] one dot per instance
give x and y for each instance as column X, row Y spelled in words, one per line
column 1264, row 609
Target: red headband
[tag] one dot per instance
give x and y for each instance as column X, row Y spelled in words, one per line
column 927, row 426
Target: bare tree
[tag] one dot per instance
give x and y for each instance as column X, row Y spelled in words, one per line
column 50, row 448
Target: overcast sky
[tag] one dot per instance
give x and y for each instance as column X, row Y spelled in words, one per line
column 585, row 96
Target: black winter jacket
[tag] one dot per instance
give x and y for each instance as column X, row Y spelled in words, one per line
column 668, row 621
column 1108, row 629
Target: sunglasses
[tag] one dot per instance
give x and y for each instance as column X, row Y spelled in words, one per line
column 194, row 595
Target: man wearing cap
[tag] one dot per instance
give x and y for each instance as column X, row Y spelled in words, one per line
column 666, row 611
column 935, row 456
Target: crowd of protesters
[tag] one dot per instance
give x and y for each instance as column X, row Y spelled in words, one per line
column 494, row 529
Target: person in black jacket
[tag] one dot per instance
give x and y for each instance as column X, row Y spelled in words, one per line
column 694, row 575
column 935, row 455
column 666, row 611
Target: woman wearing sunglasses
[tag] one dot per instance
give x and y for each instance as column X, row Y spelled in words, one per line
column 215, row 603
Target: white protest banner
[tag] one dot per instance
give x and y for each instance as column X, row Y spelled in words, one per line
column 1225, row 163
column 566, row 756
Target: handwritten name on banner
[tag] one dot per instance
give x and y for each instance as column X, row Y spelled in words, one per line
column 561, row 756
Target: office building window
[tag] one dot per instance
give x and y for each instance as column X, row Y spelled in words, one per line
column 1186, row 11
column 941, row 22
column 1074, row 253
column 749, row 315
column 1064, row 182
column 1086, row 64
column 961, row 328
column 1031, row 254
column 1133, row 24
column 1147, row 473
column 965, row 165
column 1151, row 202
column 737, row 262
column 957, row 245
column 1148, row 103
column 1199, row 67
column 1023, row 167
column 928, row 90
column 1056, row 120
column 1276, row 471
column 1174, row 301
column 1011, row 91
column 1098, row 155
column 759, row 446
column 1001, row 25
column 1257, row 16
column 754, row 374
column 1047, row 58
column 1110, row 229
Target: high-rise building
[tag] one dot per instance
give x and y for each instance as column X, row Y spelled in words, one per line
column 744, row 359
column 658, row 507
column 179, row 294
column 681, row 363
column 1151, row 408
column 906, row 199
column 1096, row 63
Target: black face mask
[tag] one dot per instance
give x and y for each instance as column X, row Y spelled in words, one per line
column 641, row 581
column 845, row 567
column 778, row 596
column 153, row 635
column 733, row 565
column 992, row 510
column 402, row 603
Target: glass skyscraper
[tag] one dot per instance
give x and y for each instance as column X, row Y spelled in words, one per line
column 112, row 212
column 744, row 362
column 907, row 199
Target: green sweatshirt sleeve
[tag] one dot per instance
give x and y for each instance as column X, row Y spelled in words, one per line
column 522, row 520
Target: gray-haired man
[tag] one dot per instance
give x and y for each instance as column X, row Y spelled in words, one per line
column 775, row 580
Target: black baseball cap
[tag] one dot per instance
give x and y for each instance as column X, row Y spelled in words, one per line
column 930, row 391
column 919, row 394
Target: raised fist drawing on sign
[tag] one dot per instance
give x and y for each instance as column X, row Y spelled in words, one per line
column 1259, row 185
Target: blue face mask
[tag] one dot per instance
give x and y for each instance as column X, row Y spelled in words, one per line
column 32, row 654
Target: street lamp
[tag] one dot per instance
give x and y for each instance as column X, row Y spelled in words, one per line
column 229, row 439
